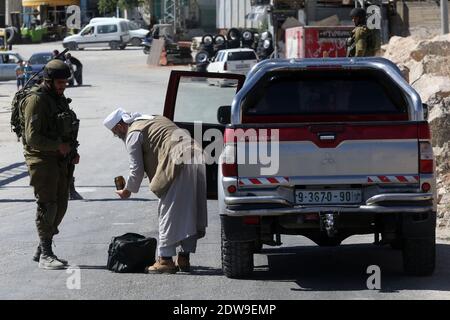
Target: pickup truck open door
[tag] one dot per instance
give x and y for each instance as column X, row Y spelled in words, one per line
column 192, row 102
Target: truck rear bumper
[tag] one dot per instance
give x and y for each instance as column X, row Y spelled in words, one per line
column 278, row 206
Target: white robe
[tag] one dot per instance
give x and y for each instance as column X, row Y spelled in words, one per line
column 182, row 210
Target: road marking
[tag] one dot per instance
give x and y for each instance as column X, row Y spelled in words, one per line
column 123, row 223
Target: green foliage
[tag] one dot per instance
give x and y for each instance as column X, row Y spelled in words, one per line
column 106, row 6
column 125, row 4
column 109, row 6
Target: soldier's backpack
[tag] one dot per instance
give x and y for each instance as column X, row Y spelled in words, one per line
column 17, row 124
column 131, row 253
column 373, row 40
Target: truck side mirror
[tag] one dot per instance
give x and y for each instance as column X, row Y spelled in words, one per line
column 224, row 115
column 426, row 109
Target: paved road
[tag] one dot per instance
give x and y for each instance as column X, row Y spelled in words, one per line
column 297, row 270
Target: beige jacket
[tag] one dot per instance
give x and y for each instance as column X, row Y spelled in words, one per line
column 161, row 152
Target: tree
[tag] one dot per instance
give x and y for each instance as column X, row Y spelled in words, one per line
column 128, row 4
column 110, row 6
column 107, row 6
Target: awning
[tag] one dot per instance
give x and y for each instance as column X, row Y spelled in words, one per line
column 51, row 3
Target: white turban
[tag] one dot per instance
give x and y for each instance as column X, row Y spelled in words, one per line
column 116, row 116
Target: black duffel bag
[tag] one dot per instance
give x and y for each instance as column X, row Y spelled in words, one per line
column 131, row 253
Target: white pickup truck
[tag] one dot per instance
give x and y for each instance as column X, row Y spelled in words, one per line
column 323, row 148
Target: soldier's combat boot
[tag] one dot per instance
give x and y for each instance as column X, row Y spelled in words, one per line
column 73, row 194
column 48, row 260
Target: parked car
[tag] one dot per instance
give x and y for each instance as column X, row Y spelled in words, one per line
column 39, row 60
column 237, row 61
column 137, row 34
column 109, row 33
column 350, row 153
column 8, row 64
column 233, row 61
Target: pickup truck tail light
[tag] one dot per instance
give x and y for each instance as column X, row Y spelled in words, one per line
column 228, row 161
column 426, row 157
column 225, row 66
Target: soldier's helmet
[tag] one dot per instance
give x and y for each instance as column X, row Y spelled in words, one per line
column 56, row 69
column 358, row 12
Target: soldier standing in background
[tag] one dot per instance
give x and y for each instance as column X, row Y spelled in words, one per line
column 364, row 41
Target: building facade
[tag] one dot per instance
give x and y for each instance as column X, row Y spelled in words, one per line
column 6, row 8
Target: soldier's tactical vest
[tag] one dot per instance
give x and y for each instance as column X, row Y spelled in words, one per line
column 62, row 122
column 372, row 37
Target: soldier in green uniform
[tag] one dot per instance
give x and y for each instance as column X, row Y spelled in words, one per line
column 50, row 130
column 363, row 42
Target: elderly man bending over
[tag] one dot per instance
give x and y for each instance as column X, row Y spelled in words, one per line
column 157, row 148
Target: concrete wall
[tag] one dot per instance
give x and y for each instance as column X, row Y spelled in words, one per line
column 12, row 6
column 231, row 14
column 413, row 14
column 207, row 13
column 424, row 14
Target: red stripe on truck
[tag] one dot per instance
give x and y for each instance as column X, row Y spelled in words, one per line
column 322, row 118
column 341, row 133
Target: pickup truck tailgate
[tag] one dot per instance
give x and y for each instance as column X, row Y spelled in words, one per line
column 334, row 154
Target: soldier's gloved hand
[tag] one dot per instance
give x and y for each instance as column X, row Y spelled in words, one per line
column 76, row 160
column 64, row 149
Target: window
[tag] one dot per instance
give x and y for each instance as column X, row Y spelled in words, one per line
column 108, row 28
column 9, row 58
column 319, row 93
column 123, row 27
column 219, row 57
column 87, row 31
column 241, row 55
column 41, row 58
column 132, row 26
column 199, row 99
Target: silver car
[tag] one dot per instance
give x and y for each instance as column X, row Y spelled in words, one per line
column 8, row 64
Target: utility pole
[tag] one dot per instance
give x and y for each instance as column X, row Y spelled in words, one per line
column 444, row 16
column 274, row 25
column 172, row 14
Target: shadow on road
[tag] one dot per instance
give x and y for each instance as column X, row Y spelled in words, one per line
column 118, row 199
column 81, row 86
column 16, row 200
column 344, row 268
column 205, row 271
column 83, row 267
column 84, row 200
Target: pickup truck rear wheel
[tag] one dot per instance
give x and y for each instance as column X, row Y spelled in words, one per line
column 419, row 255
column 237, row 258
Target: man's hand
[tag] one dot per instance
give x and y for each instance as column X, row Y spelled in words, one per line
column 124, row 194
column 76, row 160
column 64, row 149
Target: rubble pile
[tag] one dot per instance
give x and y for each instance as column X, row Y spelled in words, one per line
column 427, row 63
